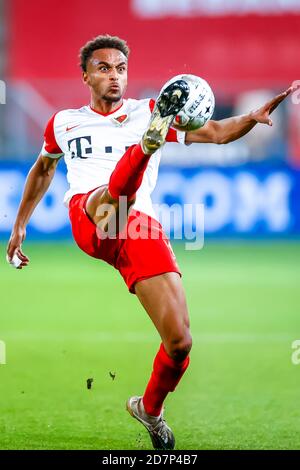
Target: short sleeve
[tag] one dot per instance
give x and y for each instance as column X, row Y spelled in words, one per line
column 173, row 135
column 50, row 147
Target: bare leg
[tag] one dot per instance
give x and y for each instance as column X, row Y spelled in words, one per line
column 101, row 207
column 164, row 300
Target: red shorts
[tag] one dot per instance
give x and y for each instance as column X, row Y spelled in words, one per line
column 135, row 258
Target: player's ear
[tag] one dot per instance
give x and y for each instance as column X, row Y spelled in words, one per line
column 85, row 78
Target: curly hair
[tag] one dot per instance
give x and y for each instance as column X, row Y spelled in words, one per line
column 102, row 42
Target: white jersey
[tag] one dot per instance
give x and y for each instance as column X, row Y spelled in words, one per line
column 92, row 143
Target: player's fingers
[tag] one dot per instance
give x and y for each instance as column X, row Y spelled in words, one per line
column 287, row 92
column 268, row 121
column 278, row 98
column 23, row 264
column 22, row 256
column 24, row 260
column 292, row 88
column 11, row 250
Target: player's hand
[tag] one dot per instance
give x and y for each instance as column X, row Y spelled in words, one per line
column 262, row 115
column 14, row 247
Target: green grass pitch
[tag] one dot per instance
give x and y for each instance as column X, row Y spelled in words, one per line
column 68, row 317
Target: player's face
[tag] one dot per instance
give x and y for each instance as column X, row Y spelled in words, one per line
column 107, row 74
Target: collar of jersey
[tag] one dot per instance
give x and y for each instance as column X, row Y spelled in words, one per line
column 107, row 114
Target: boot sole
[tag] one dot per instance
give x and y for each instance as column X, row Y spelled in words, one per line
column 169, row 103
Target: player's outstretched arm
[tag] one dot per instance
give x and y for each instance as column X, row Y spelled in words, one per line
column 228, row 130
column 37, row 183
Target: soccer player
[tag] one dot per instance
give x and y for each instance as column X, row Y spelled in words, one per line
column 112, row 149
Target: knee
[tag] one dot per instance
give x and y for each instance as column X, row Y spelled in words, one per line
column 180, row 348
column 117, row 201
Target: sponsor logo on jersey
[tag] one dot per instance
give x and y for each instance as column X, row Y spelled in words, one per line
column 78, row 146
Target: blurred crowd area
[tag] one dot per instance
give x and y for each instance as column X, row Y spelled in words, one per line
column 246, row 50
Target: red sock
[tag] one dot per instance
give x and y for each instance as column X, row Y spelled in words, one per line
column 128, row 174
column 165, row 376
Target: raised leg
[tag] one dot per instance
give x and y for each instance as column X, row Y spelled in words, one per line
column 103, row 204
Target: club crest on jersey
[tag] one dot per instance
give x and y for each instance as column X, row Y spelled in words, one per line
column 120, row 120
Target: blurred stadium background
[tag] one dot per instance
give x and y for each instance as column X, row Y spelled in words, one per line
column 243, row 288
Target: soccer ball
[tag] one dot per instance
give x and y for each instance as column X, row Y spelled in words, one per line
column 200, row 105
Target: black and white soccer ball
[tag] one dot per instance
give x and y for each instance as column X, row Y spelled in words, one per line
column 200, row 104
